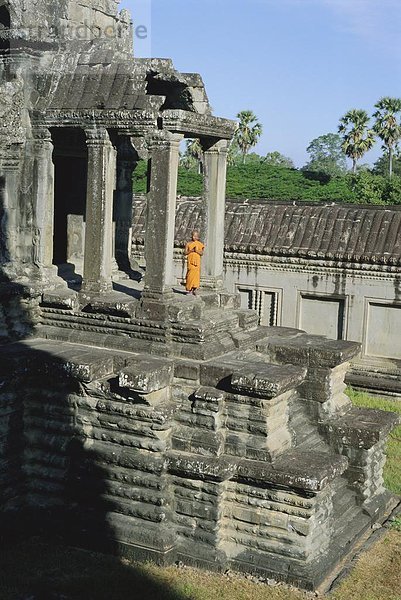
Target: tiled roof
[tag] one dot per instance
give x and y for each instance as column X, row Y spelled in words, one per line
column 336, row 232
column 108, row 87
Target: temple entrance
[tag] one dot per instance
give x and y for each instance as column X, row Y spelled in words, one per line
column 70, row 159
column 5, row 25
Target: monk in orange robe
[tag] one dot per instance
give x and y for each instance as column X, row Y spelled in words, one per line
column 193, row 250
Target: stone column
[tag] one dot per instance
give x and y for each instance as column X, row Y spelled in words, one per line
column 215, row 174
column 9, row 196
column 99, row 212
column 160, row 223
column 43, row 198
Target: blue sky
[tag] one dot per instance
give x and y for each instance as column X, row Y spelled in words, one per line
column 298, row 64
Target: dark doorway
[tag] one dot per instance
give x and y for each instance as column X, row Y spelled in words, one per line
column 70, row 159
column 5, row 25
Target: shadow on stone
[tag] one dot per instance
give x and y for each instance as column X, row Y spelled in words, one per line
column 56, row 487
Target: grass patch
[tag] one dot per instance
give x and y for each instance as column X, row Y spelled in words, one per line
column 392, row 471
column 396, row 524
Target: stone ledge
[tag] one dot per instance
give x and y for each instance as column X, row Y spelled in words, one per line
column 362, row 427
column 307, row 471
column 267, row 381
column 41, row 356
column 248, row 339
column 308, row 350
column 199, row 467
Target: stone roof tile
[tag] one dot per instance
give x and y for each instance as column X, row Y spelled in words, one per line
column 337, row 232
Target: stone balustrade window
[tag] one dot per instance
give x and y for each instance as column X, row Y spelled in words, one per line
column 266, row 302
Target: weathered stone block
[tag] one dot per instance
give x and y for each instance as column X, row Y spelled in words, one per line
column 230, row 301
column 247, row 319
column 146, row 375
column 309, row 350
column 186, row 370
column 267, row 380
column 362, row 428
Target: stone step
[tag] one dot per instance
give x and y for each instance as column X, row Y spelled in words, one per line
column 217, row 320
column 146, row 374
column 306, row 432
column 239, row 373
column 266, row 380
column 248, row 340
column 293, row 469
column 303, row 430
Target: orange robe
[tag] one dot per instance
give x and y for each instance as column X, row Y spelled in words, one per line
column 193, row 265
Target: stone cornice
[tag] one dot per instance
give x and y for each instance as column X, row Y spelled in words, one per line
column 198, row 125
column 280, row 263
column 297, row 265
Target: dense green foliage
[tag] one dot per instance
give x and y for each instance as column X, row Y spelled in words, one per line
column 261, row 180
column 326, row 155
column 276, row 159
column 381, row 166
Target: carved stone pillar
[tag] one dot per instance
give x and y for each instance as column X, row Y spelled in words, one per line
column 9, row 195
column 43, row 198
column 215, row 174
column 99, row 212
column 160, row 223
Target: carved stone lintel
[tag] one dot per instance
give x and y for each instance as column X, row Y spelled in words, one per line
column 130, row 122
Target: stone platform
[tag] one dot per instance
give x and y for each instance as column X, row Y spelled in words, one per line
column 201, row 438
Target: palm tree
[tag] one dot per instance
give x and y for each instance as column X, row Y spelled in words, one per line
column 194, row 152
column 358, row 137
column 387, row 126
column 248, row 132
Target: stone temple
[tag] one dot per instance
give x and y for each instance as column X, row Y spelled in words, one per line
column 133, row 419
